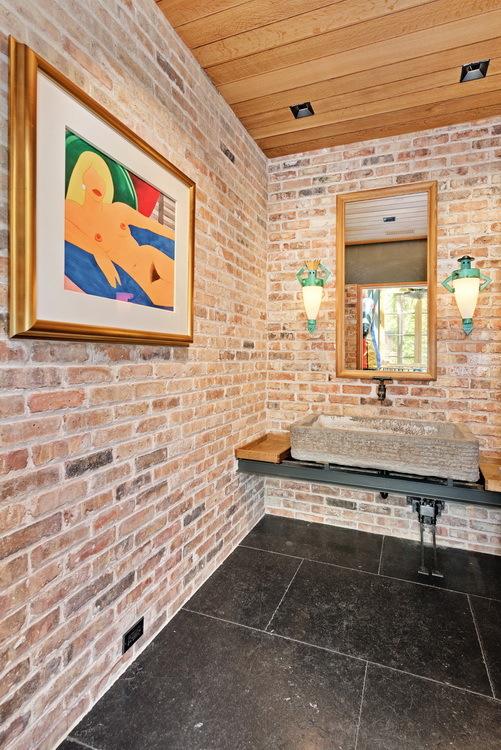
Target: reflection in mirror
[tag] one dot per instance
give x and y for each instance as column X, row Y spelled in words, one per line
column 392, row 328
column 386, row 248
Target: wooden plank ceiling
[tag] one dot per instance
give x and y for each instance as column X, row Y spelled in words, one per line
column 371, row 68
column 386, row 219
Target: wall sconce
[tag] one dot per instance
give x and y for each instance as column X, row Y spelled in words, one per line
column 466, row 285
column 313, row 276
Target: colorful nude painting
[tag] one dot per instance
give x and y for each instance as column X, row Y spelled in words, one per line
column 112, row 257
column 119, row 231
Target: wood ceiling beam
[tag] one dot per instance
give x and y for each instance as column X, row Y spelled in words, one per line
column 407, row 115
column 371, row 56
column 385, row 28
column 383, row 131
column 310, row 23
column 392, row 104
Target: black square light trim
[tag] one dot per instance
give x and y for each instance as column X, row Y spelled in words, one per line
column 473, row 71
column 302, row 110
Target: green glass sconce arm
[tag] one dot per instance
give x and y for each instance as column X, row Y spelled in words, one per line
column 313, row 276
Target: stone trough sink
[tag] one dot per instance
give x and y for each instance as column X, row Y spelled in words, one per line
column 434, row 449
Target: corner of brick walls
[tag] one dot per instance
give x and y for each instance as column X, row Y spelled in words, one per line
column 466, row 162
column 119, row 491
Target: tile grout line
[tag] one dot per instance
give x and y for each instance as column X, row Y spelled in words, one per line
column 381, row 556
column 370, row 573
column 272, row 552
column 283, row 596
column 273, row 634
column 435, row 682
column 79, row 742
column 361, row 705
column 481, row 647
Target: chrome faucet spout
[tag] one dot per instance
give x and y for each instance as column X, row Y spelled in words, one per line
column 381, row 389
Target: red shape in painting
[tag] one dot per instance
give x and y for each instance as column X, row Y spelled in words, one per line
column 147, row 196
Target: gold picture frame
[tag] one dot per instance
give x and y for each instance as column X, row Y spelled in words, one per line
column 173, row 324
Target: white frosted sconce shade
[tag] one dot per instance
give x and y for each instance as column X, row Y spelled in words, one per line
column 465, row 283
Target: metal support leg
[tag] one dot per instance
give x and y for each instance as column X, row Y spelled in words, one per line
column 422, row 570
column 435, row 571
column 428, row 510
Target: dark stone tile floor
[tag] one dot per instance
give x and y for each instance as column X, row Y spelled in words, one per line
column 419, row 629
column 328, row 544
column 305, row 639
column 469, row 572
column 236, row 592
column 487, row 613
column 403, row 712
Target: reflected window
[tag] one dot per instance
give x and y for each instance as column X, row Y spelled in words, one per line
column 392, row 328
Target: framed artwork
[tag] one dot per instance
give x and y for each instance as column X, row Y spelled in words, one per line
column 101, row 225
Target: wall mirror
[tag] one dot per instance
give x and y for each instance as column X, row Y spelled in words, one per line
column 386, row 283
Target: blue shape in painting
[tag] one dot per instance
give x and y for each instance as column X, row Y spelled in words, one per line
column 81, row 268
column 146, row 237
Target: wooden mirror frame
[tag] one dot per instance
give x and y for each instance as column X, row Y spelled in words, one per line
column 342, row 199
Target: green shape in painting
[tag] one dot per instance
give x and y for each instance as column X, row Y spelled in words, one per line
column 123, row 188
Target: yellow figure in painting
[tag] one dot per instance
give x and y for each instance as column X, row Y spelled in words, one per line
column 116, row 237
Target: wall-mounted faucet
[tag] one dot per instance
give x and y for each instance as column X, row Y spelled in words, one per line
column 381, row 389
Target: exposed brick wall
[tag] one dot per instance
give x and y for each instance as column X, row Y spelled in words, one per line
column 466, row 162
column 119, row 493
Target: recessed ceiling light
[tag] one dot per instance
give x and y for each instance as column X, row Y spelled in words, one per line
column 473, row 71
column 302, row 110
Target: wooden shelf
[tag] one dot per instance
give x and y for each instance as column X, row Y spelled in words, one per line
column 272, row 448
column 491, row 469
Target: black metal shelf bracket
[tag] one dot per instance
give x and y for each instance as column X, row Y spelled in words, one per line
column 427, row 495
column 428, row 511
column 377, row 480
